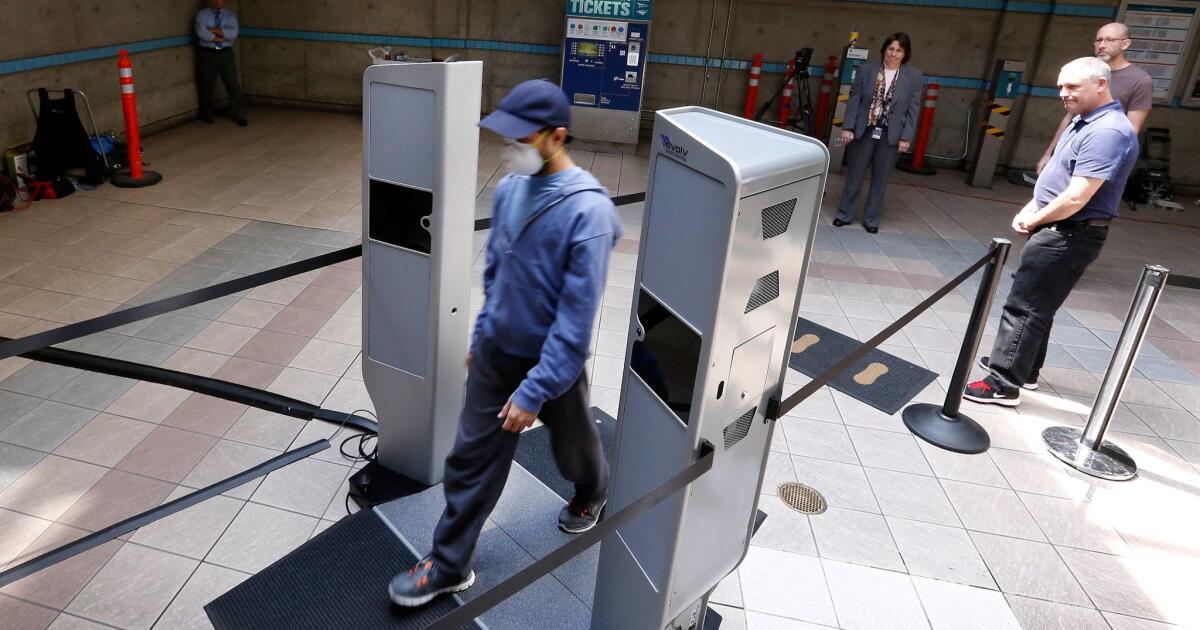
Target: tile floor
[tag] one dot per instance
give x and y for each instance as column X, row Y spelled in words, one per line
column 915, row 536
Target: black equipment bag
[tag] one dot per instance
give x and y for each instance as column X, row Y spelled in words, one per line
column 60, row 141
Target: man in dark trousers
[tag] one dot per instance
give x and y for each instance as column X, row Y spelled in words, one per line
column 1076, row 197
column 217, row 30
column 546, row 261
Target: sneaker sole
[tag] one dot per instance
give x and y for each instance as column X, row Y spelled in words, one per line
column 589, row 526
column 410, row 602
column 1003, row 402
column 1027, row 386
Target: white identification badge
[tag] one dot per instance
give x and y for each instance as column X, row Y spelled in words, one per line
column 876, row 133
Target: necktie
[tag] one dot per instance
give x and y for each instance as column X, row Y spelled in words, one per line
column 217, row 24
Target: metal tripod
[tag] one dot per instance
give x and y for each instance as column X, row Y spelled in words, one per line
column 800, row 117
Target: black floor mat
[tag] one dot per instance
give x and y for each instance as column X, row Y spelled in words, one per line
column 884, row 381
column 336, row 580
column 535, row 455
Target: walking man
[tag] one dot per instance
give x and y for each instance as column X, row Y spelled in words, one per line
column 546, row 262
column 1075, row 199
column 217, row 30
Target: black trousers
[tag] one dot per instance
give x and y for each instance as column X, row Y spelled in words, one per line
column 477, row 467
column 211, row 63
column 1052, row 261
column 880, row 158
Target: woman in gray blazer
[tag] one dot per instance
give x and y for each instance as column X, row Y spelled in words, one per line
column 881, row 117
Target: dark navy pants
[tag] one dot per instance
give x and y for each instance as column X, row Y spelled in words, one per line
column 477, row 467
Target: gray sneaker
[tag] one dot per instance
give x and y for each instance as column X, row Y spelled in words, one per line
column 576, row 518
column 1032, row 385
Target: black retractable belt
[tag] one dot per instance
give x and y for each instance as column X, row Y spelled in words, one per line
column 1187, row 282
column 623, row 200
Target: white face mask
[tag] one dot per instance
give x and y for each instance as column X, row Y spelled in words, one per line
column 523, row 159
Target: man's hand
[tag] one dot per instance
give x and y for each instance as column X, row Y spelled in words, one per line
column 515, row 418
column 847, row 136
column 1042, row 163
column 467, row 361
column 1023, row 223
column 904, row 146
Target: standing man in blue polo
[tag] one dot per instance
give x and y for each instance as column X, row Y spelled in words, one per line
column 1076, row 197
column 217, row 30
column 553, row 229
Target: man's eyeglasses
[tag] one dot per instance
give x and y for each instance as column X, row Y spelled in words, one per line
column 1109, row 40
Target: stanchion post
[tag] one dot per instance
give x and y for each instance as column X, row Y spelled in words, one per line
column 137, row 178
column 752, row 87
column 1087, row 451
column 945, row 426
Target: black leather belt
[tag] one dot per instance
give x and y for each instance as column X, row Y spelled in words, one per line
column 1075, row 226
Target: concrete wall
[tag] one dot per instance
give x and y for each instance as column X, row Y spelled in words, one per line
column 164, row 78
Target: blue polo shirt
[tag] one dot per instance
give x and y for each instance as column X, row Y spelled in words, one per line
column 1100, row 144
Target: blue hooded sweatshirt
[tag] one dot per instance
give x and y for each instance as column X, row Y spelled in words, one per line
column 542, row 285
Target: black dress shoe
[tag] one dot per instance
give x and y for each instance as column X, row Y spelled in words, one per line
column 208, row 120
column 871, row 229
column 840, row 223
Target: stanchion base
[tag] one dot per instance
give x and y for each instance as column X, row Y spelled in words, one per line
column 905, row 164
column 1110, row 462
column 961, row 434
column 148, row 178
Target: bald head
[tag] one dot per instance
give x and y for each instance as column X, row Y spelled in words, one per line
column 1111, row 41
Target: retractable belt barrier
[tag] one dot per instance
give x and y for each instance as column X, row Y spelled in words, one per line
column 1186, row 282
column 609, row 524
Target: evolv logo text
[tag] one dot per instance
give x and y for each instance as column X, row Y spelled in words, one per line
column 671, row 147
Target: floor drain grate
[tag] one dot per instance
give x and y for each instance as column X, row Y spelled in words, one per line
column 801, row 498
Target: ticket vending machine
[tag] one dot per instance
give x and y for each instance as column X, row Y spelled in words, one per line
column 604, row 56
column 420, row 148
column 730, row 216
column 852, row 58
column 1005, row 86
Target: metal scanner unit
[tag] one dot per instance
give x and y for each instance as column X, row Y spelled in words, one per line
column 420, row 149
column 730, row 216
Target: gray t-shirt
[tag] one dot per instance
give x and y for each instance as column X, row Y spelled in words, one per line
column 1133, row 88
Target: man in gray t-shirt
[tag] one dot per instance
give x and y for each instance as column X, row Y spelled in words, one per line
column 1130, row 85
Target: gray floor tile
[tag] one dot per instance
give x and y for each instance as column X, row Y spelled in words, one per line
column 13, row 406
column 728, row 591
column 784, row 529
column 952, row 606
column 1027, row 568
column 911, row 496
column 867, row 598
column 259, row 536
column 47, row 426
column 174, row 329
column 71, row 622
column 1039, row 614
column 144, row 351
column 16, row 461
column 92, row 390
column 208, row 582
column 992, row 510
column 941, row 552
column 856, row 537
column 1076, row 524
column 786, row 585
column 1155, row 588
column 843, row 485
column 40, row 380
column 134, row 588
column 225, row 459
column 888, row 450
column 1039, row 473
column 306, row 486
column 816, row 439
column 191, row 532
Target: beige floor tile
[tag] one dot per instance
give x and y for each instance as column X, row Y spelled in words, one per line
column 303, row 385
column 915, row 497
column 992, row 510
column 342, row 329
column 306, row 486
column 186, row 612
column 76, row 282
column 118, row 289
column 38, row 303
column 265, row 429
column 167, row 454
column 20, row 531
column 843, row 485
column 195, row 361
column 259, row 536
column 69, row 479
column 116, row 497
column 149, row 270
column 247, row 312
column 325, row 357
column 24, row 615
column 222, row 338
column 105, row 440
column 150, row 402
column 855, row 537
column 82, row 308
column 941, row 552
column 191, row 532
column 226, row 459
column 57, row 585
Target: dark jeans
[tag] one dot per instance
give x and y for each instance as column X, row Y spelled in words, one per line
column 477, row 467
column 1052, row 261
column 209, row 64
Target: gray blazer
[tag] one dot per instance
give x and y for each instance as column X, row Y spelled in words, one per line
column 906, row 103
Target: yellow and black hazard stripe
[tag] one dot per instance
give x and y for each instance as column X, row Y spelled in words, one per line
column 997, row 108
column 995, row 132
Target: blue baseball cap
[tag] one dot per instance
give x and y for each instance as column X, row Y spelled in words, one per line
column 529, row 107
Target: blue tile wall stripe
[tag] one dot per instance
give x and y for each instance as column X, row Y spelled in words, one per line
column 90, row 54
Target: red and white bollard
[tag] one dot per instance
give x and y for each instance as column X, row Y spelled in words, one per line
column 752, row 87
column 785, row 104
column 136, row 178
column 916, row 163
column 822, row 117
